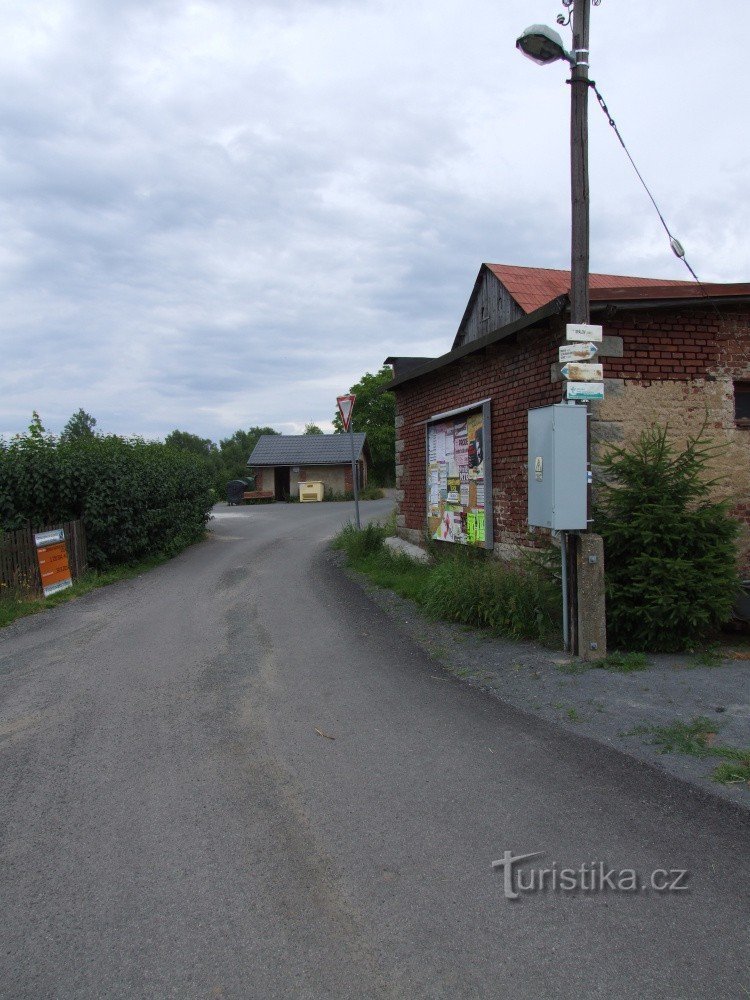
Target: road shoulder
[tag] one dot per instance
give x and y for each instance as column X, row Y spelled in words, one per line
column 605, row 706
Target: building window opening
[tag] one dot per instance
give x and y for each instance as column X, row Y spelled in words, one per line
column 742, row 404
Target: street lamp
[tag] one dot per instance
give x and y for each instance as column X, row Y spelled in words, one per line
column 543, row 45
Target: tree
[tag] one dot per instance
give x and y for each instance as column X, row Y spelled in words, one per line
column 184, row 441
column 670, row 557
column 80, row 427
column 375, row 413
column 313, row 429
column 234, row 453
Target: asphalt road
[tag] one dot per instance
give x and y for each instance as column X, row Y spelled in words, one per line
column 172, row 825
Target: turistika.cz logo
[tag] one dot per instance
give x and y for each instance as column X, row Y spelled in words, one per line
column 592, row 876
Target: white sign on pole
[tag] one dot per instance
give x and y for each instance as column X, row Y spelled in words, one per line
column 584, row 391
column 577, row 352
column 582, row 373
column 345, row 405
column 583, row 332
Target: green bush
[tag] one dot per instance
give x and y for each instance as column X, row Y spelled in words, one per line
column 137, row 499
column 670, row 557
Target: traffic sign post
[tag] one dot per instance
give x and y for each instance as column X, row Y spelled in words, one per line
column 346, row 406
column 577, row 352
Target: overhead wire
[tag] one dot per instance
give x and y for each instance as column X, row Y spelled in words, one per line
column 674, row 243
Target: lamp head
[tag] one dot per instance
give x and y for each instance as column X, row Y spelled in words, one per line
column 543, row 45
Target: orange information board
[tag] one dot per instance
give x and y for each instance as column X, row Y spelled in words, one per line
column 53, row 561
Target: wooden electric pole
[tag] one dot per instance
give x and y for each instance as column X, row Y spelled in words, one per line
column 579, row 165
column 588, row 636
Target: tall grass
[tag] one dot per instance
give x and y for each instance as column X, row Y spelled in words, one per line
column 519, row 601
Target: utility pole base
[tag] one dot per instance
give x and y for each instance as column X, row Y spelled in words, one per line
column 592, row 624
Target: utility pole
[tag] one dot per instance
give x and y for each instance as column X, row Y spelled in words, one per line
column 584, row 622
column 588, row 636
column 579, row 165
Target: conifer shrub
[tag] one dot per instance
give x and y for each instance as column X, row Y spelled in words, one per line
column 670, row 548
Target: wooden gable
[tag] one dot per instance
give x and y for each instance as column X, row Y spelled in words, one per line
column 490, row 307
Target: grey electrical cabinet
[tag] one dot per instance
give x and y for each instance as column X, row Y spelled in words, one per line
column 557, row 473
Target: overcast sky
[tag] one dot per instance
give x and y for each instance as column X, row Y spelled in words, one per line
column 222, row 213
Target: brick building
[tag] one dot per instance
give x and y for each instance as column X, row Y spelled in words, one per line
column 280, row 462
column 673, row 354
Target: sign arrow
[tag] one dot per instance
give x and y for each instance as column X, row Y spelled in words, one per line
column 582, row 373
column 577, row 352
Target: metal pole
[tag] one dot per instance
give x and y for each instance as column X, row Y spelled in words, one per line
column 566, row 610
column 355, row 485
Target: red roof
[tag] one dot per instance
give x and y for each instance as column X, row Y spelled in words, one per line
column 534, row 287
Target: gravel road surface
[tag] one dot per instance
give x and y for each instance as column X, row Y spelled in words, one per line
column 236, row 777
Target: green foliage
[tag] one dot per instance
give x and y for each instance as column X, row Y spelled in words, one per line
column 375, row 413
column 671, row 573
column 397, row 572
column 227, row 460
column 234, row 452
column 80, row 426
column 358, row 544
column 520, row 601
column 695, row 738
column 624, row 663
column 732, row 772
column 136, row 499
column 691, row 738
column 313, row 429
column 192, row 443
column 368, row 493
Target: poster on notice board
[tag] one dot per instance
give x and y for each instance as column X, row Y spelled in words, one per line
column 456, row 466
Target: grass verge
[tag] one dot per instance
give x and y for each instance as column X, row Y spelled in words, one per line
column 20, row 606
column 520, row 601
column 696, row 738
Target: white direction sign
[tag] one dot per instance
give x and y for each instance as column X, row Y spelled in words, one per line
column 345, row 405
column 584, row 390
column 577, row 352
column 583, row 332
column 582, row 373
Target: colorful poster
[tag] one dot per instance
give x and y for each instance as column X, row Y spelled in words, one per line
column 475, row 450
column 456, row 479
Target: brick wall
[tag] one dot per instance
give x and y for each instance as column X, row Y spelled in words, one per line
column 516, row 377
column 676, row 368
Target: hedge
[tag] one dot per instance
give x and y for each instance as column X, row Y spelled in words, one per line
column 136, row 498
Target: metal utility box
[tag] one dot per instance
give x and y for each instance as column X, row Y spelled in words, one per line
column 557, row 472
column 310, row 492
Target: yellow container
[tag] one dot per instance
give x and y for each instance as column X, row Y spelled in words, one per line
column 310, row 492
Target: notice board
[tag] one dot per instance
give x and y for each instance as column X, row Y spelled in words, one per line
column 459, row 476
column 53, row 561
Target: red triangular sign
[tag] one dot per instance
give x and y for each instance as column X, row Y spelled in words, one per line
column 345, row 405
